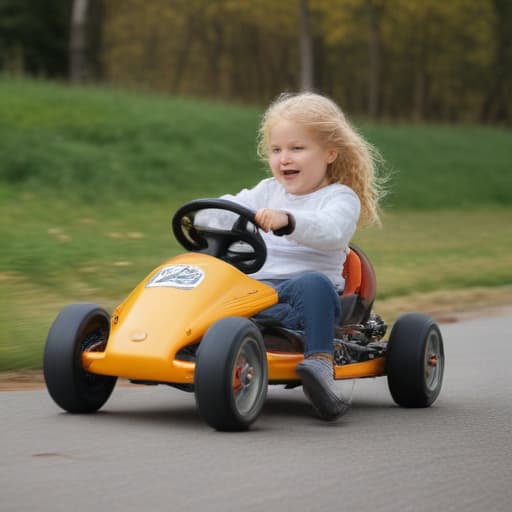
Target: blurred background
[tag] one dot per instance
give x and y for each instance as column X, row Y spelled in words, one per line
column 115, row 112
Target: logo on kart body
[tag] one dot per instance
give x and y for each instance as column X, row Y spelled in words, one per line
column 185, row 277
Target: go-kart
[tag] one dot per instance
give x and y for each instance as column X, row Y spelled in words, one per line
column 192, row 324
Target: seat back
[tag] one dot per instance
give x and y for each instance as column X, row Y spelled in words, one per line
column 352, row 273
column 360, row 286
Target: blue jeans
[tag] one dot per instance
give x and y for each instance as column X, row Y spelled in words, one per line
column 307, row 303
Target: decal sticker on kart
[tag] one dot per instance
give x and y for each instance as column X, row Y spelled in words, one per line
column 177, row 276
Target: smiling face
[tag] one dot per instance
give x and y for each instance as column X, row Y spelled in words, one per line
column 297, row 159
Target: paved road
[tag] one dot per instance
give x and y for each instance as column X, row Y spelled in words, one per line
column 148, row 450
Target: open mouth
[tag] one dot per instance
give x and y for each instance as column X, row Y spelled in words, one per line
column 290, row 172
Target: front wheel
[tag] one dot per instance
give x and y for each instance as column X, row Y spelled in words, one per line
column 77, row 328
column 415, row 361
column 231, row 374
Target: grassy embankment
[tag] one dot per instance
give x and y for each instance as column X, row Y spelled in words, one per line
column 90, row 178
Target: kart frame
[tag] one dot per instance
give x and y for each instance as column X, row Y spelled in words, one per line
column 190, row 324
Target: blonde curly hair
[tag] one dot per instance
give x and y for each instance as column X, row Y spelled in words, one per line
column 357, row 162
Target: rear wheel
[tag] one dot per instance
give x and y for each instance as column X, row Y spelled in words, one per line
column 415, row 361
column 77, row 328
column 231, row 374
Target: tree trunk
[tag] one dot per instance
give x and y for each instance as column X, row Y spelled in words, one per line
column 306, row 47
column 374, row 59
column 183, row 56
column 78, row 42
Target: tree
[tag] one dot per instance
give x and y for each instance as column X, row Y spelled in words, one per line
column 306, row 47
column 405, row 59
column 497, row 105
column 374, row 56
column 78, row 64
column 34, row 36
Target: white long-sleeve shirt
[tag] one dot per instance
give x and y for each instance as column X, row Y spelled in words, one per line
column 325, row 221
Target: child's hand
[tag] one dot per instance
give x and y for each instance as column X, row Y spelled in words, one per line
column 271, row 220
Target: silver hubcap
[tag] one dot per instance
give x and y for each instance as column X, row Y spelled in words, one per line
column 434, row 361
column 247, row 376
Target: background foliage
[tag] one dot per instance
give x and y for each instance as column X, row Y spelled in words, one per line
column 34, row 36
column 392, row 59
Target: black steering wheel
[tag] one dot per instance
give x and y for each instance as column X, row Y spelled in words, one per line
column 242, row 246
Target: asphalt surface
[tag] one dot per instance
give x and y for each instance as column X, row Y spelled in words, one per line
column 149, row 450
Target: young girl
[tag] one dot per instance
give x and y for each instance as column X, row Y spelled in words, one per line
column 324, row 184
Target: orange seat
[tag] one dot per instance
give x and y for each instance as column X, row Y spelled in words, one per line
column 359, row 275
column 352, row 273
column 360, row 287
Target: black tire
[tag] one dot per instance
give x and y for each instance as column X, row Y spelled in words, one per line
column 415, row 361
column 76, row 328
column 231, row 374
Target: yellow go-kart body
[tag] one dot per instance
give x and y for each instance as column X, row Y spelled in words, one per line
column 156, row 321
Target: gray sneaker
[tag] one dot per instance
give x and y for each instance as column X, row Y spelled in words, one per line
column 319, row 386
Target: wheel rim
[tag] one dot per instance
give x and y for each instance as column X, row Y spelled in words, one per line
column 247, row 377
column 434, row 361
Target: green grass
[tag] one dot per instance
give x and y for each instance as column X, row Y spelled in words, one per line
column 89, row 179
column 423, row 251
column 96, row 144
column 84, row 254
column 443, row 166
